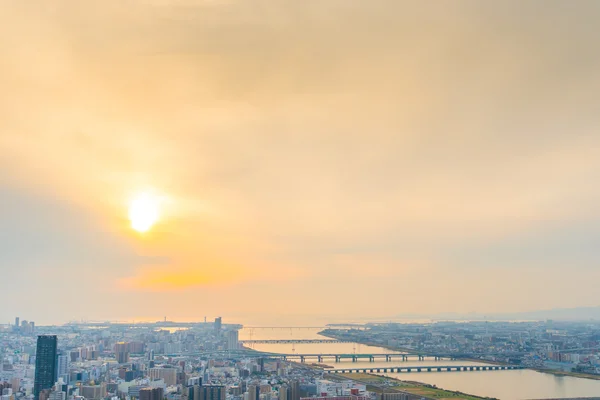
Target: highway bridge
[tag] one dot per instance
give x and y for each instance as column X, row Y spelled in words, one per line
column 358, row 357
column 293, row 341
column 425, row 368
column 284, row 327
column 337, row 326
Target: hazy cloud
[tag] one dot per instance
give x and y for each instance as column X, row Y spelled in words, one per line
column 305, row 146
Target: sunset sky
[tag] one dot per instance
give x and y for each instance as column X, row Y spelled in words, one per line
column 334, row 158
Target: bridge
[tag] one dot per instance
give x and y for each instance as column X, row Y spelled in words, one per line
column 357, row 357
column 294, row 341
column 426, row 368
column 284, row 327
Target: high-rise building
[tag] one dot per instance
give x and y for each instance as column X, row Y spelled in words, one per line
column 136, row 347
column 232, row 340
column 283, row 392
column 294, row 393
column 169, row 375
column 17, row 322
column 218, row 323
column 253, row 392
column 16, row 384
column 211, row 392
column 45, row 364
column 122, row 352
column 148, row 393
column 62, row 367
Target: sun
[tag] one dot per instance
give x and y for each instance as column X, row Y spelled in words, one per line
column 144, row 211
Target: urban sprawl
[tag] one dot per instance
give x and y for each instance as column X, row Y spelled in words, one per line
column 207, row 361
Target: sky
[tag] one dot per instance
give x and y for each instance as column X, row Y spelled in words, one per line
column 315, row 159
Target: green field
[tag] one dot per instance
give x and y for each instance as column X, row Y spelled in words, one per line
column 381, row 383
column 435, row 393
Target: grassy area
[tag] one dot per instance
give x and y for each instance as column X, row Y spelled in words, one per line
column 380, row 384
column 425, row 391
column 365, row 377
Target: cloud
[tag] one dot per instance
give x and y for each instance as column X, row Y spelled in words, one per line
column 377, row 143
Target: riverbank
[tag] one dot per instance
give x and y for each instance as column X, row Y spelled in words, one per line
column 566, row 373
column 409, row 350
column 380, row 384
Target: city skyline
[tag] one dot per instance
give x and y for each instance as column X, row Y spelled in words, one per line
column 309, row 161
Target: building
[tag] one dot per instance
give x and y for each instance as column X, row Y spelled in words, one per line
column 134, row 390
column 283, row 392
column 62, row 367
column 393, row 396
column 136, row 347
column 232, row 340
column 148, row 393
column 328, row 388
column 218, row 323
column 351, row 397
column 93, row 392
column 253, row 392
column 261, row 365
column 294, row 393
column 17, row 322
column 169, row 375
column 122, row 352
column 45, row 364
column 55, row 395
column 44, row 394
column 212, row 392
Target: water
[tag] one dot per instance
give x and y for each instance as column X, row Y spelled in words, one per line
column 505, row 385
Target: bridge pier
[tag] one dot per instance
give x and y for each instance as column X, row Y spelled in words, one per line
column 421, row 358
column 337, row 359
column 372, row 359
column 387, row 357
column 302, row 359
column 320, row 358
column 354, row 359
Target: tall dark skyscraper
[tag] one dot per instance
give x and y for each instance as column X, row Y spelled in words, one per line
column 45, row 364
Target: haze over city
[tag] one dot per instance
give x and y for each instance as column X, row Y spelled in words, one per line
column 297, row 160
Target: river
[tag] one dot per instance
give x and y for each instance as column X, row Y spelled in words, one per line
column 505, row 385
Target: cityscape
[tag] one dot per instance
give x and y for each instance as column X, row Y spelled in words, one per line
column 210, row 361
column 300, row 199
